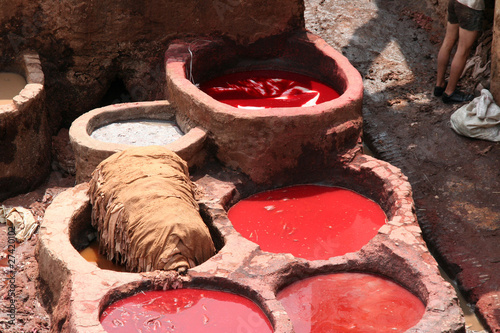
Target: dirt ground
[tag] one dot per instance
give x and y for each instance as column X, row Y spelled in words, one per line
column 455, row 180
column 31, row 315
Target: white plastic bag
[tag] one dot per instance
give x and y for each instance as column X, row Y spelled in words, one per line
column 479, row 119
column 21, row 219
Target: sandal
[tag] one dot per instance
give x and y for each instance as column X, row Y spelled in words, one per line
column 457, row 97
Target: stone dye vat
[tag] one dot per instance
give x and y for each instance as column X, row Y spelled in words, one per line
column 25, row 138
column 350, row 302
column 309, row 221
column 82, row 292
column 90, row 150
column 185, row 310
column 278, row 143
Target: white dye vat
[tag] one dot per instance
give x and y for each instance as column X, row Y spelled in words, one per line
column 140, row 132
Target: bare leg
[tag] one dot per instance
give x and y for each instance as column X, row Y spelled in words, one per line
column 443, row 59
column 465, row 41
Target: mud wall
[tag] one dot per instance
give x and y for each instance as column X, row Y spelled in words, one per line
column 85, row 45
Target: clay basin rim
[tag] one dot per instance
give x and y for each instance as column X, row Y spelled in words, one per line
column 298, row 52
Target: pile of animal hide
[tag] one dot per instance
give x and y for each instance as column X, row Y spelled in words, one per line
column 145, row 212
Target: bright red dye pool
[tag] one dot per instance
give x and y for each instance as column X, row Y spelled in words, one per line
column 268, row 89
column 309, row 221
column 350, row 302
column 185, row 310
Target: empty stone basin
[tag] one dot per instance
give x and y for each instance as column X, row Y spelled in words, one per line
column 25, row 139
column 102, row 132
column 269, row 144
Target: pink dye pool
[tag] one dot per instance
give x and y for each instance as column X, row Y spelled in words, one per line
column 185, row 310
column 309, row 221
column 268, row 89
column 350, row 302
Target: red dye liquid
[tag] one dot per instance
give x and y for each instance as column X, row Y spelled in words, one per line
column 309, row 221
column 350, row 302
column 185, row 310
column 268, row 89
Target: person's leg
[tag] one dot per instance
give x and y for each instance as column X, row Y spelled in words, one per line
column 443, row 59
column 465, row 41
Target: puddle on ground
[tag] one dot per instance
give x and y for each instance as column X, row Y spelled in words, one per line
column 471, row 320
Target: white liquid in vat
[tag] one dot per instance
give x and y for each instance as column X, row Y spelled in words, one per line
column 139, row 132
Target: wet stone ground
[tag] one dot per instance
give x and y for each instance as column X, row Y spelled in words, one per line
column 455, row 180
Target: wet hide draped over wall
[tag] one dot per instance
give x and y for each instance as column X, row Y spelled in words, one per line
column 145, row 212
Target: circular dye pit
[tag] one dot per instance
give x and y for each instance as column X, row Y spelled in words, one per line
column 350, row 302
column 268, row 89
column 185, row 310
column 309, row 221
column 141, row 132
column 11, row 85
column 251, row 137
column 102, row 132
